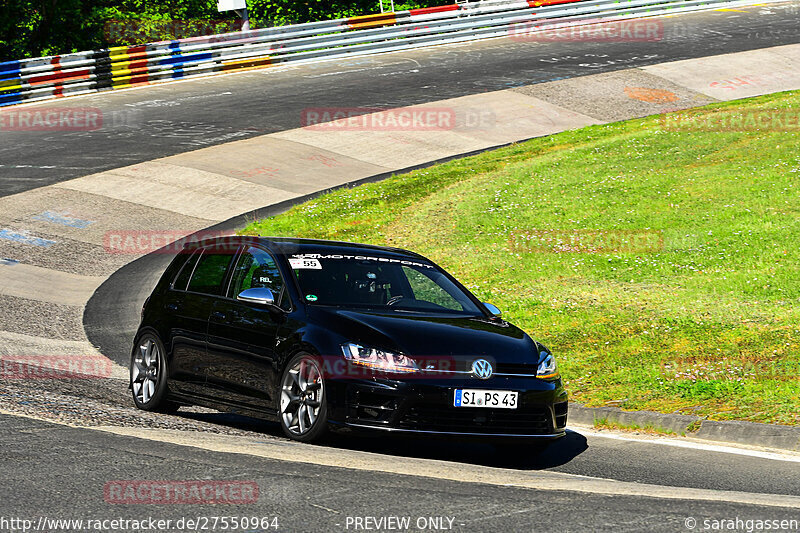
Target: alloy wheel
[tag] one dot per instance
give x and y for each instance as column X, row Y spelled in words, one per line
column 302, row 393
column 146, row 371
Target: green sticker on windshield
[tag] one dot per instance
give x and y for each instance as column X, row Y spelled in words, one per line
column 311, row 298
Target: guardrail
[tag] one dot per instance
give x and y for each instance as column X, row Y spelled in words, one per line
column 44, row 78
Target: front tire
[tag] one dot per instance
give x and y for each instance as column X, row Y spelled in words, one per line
column 303, row 400
column 148, row 374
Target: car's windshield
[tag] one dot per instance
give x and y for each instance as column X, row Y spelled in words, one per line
column 378, row 282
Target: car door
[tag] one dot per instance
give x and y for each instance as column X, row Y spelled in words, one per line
column 242, row 336
column 201, row 282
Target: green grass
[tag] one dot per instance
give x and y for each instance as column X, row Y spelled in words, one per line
column 707, row 325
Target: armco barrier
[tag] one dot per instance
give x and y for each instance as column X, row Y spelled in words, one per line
column 127, row 66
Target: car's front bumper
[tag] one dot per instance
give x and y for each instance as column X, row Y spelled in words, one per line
column 425, row 406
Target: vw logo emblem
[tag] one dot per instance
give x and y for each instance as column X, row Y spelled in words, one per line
column 482, row 369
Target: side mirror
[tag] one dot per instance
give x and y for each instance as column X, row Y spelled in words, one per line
column 492, row 309
column 260, row 295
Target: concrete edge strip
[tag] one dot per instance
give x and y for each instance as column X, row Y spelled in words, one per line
column 25, row 281
column 367, row 461
column 735, row 432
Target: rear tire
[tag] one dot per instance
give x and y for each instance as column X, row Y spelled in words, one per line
column 148, row 374
column 303, row 403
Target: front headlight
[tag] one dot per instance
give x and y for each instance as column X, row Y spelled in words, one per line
column 547, row 366
column 378, row 359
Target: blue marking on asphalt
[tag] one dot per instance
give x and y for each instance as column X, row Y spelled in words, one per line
column 24, row 238
column 8, row 262
column 63, row 219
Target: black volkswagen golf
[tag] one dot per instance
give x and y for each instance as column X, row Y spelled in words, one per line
column 323, row 335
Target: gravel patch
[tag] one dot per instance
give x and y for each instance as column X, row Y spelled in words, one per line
column 107, row 402
column 41, row 319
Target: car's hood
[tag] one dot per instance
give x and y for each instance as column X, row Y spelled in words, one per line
column 426, row 335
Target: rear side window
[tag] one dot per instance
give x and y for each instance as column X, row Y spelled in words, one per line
column 182, row 279
column 209, row 274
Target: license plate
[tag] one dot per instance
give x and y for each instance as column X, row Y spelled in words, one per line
column 496, row 399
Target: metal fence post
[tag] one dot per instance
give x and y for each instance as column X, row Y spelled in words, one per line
column 245, row 19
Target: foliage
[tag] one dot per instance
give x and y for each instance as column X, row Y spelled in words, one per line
column 33, row 28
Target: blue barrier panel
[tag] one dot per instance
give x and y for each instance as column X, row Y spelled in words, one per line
column 9, row 77
column 10, row 68
column 188, row 58
column 11, row 99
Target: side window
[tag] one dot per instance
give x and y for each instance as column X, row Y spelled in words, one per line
column 426, row 290
column 257, row 268
column 182, row 279
column 209, row 274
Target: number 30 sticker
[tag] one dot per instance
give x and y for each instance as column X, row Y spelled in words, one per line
column 299, row 262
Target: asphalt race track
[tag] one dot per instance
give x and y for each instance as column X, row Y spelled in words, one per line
column 588, row 481
column 160, row 121
column 308, row 497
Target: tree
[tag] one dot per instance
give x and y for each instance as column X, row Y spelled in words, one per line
column 32, row 28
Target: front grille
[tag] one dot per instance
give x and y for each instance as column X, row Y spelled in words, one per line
column 465, row 365
column 507, row 368
column 531, row 420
